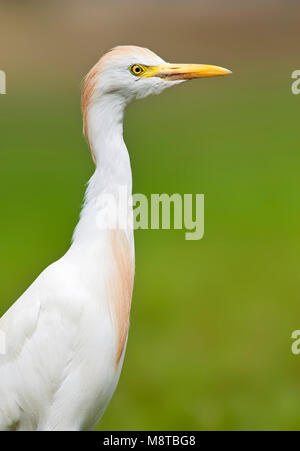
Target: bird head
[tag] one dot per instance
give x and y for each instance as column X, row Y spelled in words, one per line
column 135, row 72
column 126, row 73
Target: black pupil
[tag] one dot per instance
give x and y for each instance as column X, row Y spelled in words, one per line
column 137, row 69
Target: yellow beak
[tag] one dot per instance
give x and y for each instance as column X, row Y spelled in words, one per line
column 185, row 71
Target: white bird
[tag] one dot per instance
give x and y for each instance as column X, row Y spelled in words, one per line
column 66, row 335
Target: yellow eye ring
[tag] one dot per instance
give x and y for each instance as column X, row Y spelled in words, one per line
column 137, row 70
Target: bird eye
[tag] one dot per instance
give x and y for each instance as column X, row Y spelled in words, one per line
column 136, row 69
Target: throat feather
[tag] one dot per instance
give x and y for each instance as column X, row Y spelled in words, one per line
column 121, row 287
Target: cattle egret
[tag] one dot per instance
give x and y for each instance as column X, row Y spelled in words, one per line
column 65, row 338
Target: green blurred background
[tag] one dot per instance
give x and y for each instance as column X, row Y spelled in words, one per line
column 210, row 339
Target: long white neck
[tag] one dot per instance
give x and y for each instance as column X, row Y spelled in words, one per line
column 113, row 170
